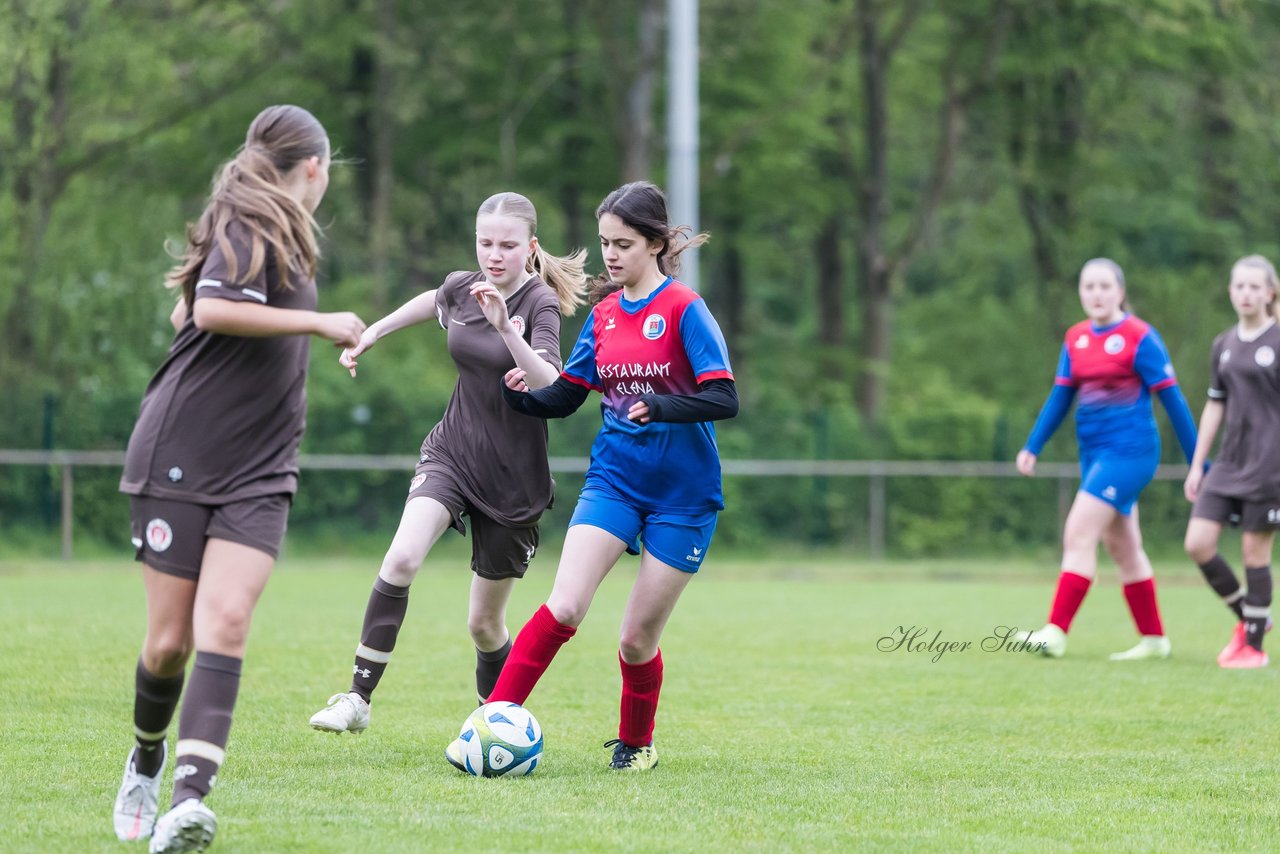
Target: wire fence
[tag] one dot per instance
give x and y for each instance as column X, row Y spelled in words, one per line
column 874, row 505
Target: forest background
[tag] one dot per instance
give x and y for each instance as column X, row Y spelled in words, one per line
column 900, row 195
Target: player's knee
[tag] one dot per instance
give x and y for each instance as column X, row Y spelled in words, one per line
column 166, row 656
column 637, row 647
column 567, row 612
column 1198, row 548
column 487, row 630
column 399, row 566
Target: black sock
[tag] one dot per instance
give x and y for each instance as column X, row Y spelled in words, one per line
column 488, row 666
column 382, row 618
column 154, row 701
column 1257, row 604
column 1224, row 582
column 205, row 724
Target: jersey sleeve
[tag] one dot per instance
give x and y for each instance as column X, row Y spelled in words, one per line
column 447, row 297
column 581, row 367
column 544, row 331
column 1063, row 375
column 1152, row 364
column 704, row 344
column 1217, row 390
column 228, row 278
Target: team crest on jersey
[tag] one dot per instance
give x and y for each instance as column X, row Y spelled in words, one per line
column 1114, row 343
column 654, row 326
column 417, row 481
column 159, row 535
column 1082, row 342
column 517, row 323
column 1225, row 357
column 1264, row 356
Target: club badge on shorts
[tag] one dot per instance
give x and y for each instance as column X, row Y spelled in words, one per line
column 159, row 535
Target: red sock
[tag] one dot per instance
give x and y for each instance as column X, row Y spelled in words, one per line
column 1141, row 596
column 641, row 684
column 1067, row 599
column 535, row 646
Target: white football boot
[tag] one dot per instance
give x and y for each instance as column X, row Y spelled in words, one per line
column 137, row 802
column 1150, row 646
column 1051, row 641
column 189, row 826
column 345, row 713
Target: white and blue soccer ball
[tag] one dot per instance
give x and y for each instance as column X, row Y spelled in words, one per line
column 501, row 740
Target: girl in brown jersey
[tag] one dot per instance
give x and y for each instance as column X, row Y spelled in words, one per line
column 211, row 465
column 1242, row 486
column 482, row 461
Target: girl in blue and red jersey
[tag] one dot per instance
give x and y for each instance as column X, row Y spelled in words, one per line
column 1243, row 487
column 1114, row 361
column 655, row 353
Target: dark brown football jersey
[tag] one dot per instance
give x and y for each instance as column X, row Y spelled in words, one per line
column 1245, row 377
column 498, row 455
column 222, row 418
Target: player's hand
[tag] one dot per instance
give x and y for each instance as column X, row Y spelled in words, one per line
column 348, row 358
column 639, row 412
column 1191, row 486
column 514, row 380
column 343, row 328
column 1026, row 463
column 492, row 304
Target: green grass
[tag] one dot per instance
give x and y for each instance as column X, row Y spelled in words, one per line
column 782, row 727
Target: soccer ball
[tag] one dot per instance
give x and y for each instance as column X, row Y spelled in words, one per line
column 501, row 740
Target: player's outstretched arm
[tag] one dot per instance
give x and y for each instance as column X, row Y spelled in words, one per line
column 253, row 320
column 415, row 311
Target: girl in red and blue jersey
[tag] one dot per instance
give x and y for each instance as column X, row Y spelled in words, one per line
column 657, row 356
column 1114, row 362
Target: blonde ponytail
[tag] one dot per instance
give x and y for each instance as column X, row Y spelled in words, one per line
column 564, row 274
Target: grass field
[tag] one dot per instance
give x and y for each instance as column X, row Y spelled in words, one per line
column 782, row 726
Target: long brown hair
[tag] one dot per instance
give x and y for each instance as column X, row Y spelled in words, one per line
column 643, row 208
column 1261, row 263
column 249, row 189
column 564, row 274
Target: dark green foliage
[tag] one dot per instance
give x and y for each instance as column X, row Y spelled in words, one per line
column 1141, row 131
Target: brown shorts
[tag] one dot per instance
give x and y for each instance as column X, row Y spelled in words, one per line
column 1247, row 515
column 170, row 536
column 498, row 550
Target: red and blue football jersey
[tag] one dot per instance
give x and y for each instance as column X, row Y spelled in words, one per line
column 1114, row 370
column 667, row 343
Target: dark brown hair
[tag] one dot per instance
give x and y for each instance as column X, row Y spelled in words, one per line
column 643, row 208
column 249, row 190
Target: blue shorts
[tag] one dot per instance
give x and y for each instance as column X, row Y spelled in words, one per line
column 1117, row 479
column 679, row 540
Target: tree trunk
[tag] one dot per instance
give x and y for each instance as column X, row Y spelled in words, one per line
column 575, row 141
column 382, row 158
column 637, row 154
column 831, row 295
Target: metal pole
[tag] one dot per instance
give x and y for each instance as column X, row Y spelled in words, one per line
column 67, row 510
column 876, row 516
column 682, row 124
